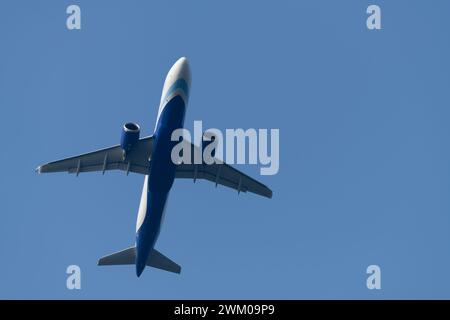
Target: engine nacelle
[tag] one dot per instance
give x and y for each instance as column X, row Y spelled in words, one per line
column 130, row 135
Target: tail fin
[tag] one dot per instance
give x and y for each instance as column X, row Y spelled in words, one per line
column 128, row 256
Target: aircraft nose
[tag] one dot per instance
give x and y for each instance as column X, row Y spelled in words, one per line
column 182, row 62
column 184, row 69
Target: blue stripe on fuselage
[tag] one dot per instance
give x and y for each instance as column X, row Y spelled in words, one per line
column 160, row 180
column 179, row 84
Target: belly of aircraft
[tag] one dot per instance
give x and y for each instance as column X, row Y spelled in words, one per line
column 161, row 177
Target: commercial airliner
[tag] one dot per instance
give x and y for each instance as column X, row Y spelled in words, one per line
column 151, row 157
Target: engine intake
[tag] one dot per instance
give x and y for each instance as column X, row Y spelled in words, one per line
column 130, row 135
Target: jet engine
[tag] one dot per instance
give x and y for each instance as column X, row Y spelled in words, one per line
column 130, row 135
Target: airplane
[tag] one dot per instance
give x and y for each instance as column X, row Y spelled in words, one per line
column 151, row 157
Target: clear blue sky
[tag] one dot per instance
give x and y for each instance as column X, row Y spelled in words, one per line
column 364, row 166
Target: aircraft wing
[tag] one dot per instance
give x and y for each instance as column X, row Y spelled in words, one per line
column 137, row 160
column 223, row 174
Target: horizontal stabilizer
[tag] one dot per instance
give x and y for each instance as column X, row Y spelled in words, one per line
column 157, row 260
column 128, row 256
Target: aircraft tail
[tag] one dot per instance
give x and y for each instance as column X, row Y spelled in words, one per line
column 128, row 256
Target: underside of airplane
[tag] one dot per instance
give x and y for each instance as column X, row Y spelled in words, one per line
column 150, row 156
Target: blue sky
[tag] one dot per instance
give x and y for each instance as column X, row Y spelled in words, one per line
column 364, row 160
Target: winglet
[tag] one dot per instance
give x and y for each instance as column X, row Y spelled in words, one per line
column 38, row 169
